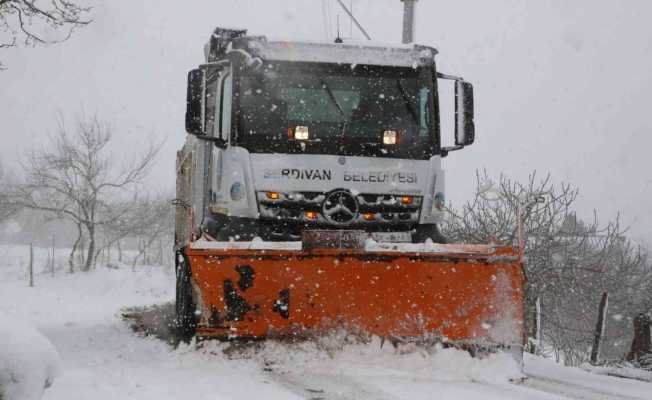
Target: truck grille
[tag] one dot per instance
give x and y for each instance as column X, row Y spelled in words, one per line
column 340, row 208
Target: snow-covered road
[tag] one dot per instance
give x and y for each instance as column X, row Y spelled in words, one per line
column 104, row 359
column 573, row 391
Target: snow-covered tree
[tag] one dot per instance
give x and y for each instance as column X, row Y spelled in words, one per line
column 75, row 177
column 568, row 262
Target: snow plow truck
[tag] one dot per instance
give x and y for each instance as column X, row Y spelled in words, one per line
column 309, row 196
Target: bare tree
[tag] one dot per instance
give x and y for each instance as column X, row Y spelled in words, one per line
column 74, row 178
column 148, row 221
column 36, row 22
column 568, row 263
column 7, row 209
column 157, row 225
column 4, row 201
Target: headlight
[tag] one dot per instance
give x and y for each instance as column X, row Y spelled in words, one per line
column 236, row 191
column 298, row 132
column 390, row 137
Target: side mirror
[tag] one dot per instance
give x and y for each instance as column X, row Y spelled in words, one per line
column 195, row 102
column 464, row 125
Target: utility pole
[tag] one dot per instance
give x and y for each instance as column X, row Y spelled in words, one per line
column 409, row 14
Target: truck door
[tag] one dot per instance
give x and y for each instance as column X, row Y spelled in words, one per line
column 207, row 157
column 221, row 129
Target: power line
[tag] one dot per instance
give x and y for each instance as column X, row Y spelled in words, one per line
column 351, row 20
column 326, row 21
column 355, row 21
column 329, row 16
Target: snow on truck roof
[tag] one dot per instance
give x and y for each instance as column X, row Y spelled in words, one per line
column 348, row 52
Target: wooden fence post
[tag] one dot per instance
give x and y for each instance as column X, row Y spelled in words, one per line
column 52, row 260
column 599, row 328
column 30, row 267
column 537, row 325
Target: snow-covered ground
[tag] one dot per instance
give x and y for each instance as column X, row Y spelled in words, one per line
column 102, row 358
column 28, row 361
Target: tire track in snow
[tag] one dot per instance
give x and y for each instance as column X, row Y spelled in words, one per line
column 327, row 387
column 570, row 390
column 339, row 387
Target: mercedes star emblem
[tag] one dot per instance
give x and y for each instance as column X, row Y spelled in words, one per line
column 340, row 207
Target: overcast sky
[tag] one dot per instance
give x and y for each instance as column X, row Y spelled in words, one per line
column 561, row 86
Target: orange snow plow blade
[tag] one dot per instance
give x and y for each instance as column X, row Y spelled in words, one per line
column 460, row 292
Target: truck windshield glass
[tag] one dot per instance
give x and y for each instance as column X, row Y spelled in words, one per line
column 340, row 110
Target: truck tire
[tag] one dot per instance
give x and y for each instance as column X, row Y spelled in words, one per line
column 185, row 321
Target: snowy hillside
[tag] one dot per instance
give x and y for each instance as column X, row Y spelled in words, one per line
column 102, row 358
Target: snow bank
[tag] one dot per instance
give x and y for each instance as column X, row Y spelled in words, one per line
column 28, row 361
column 407, row 361
column 620, row 371
column 539, row 367
column 339, row 366
column 336, row 356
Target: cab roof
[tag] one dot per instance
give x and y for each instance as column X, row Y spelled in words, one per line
column 349, row 52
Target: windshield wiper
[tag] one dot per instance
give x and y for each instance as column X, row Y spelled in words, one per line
column 410, row 109
column 331, row 95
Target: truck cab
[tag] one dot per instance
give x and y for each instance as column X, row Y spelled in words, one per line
column 288, row 137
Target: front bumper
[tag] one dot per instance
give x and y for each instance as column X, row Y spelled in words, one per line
column 384, row 212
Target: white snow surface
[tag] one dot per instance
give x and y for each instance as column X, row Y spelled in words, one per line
column 622, row 371
column 349, row 52
column 255, row 244
column 28, row 361
column 102, row 358
column 370, row 245
column 428, row 247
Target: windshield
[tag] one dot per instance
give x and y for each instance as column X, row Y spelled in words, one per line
column 339, row 109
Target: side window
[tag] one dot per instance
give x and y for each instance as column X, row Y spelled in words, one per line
column 212, row 102
column 225, row 105
column 219, row 86
column 424, row 111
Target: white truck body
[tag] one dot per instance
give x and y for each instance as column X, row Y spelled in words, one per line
column 222, row 180
column 295, row 173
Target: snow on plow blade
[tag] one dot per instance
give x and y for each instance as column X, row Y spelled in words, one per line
column 459, row 292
